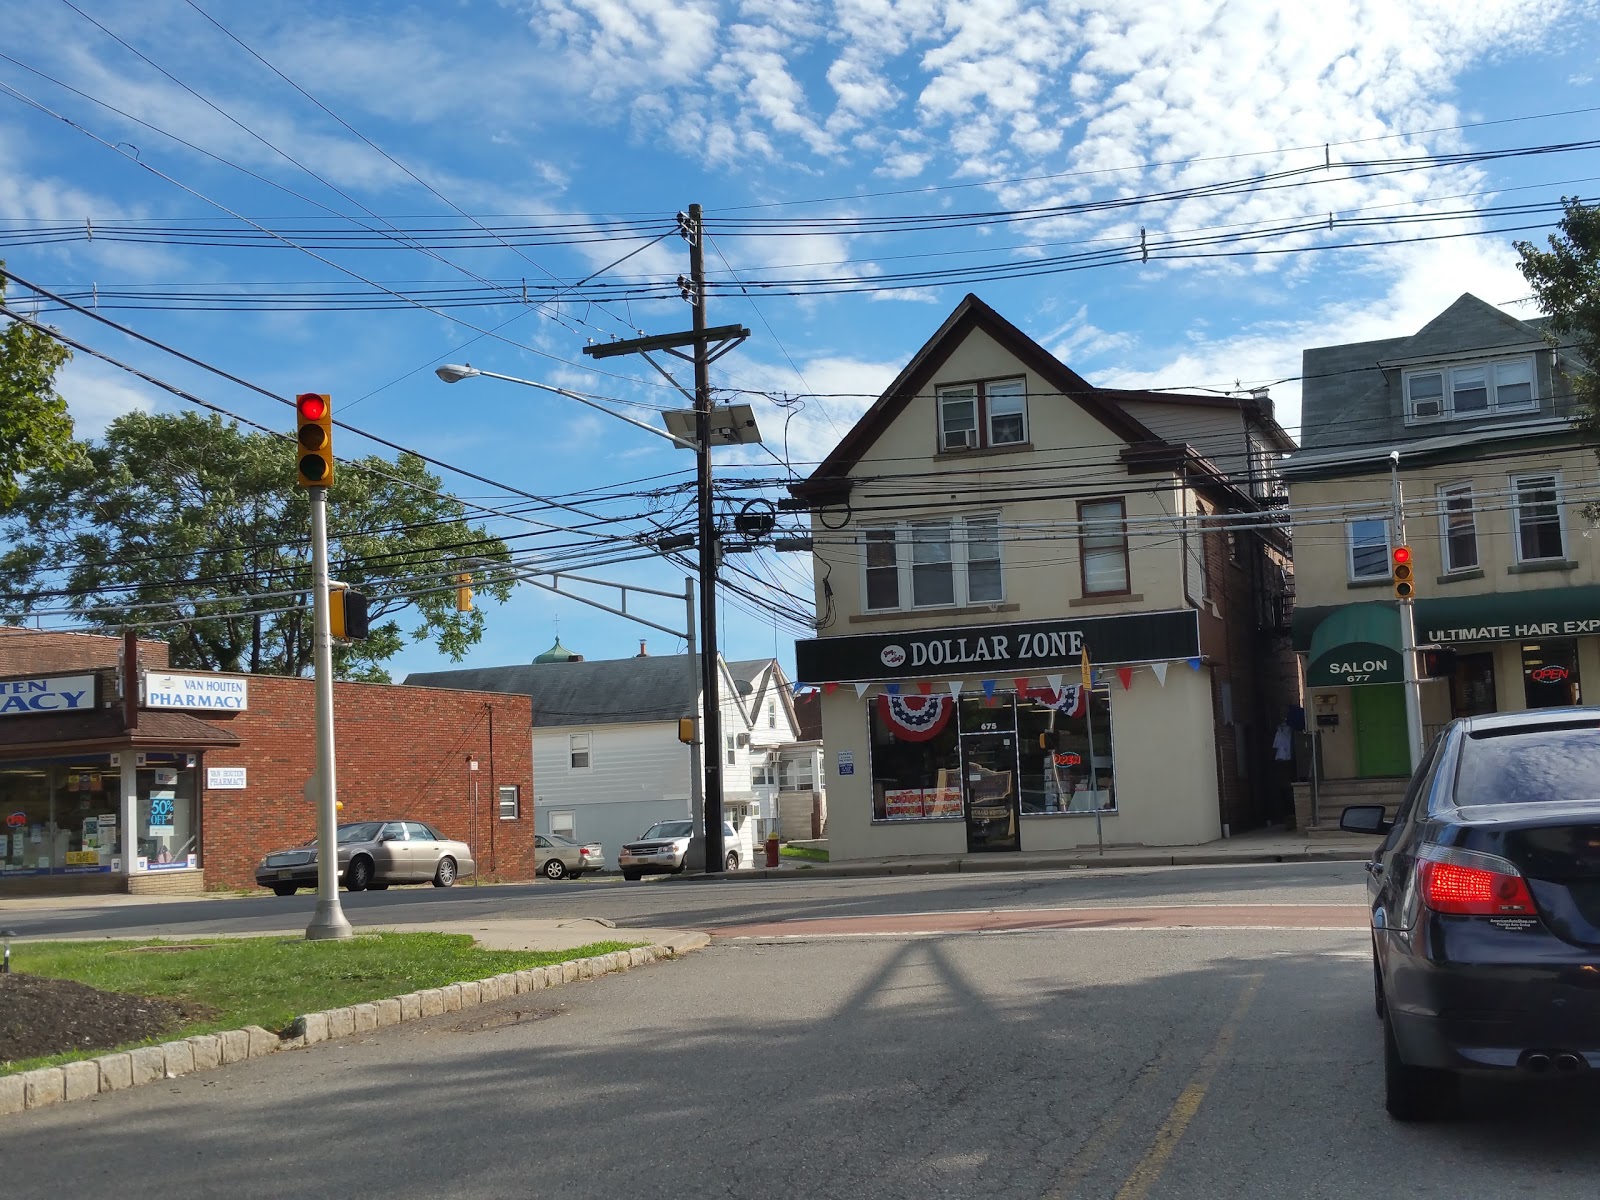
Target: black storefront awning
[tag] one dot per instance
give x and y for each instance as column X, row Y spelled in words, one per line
column 1000, row 650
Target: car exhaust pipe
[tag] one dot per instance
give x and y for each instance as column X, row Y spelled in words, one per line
column 1537, row 1063
column 1569, row 1063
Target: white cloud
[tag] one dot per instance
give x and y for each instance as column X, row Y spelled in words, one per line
column 98, row 393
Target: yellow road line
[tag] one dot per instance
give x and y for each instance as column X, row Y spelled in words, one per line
column 1089, row 1153
column 1148, row 1171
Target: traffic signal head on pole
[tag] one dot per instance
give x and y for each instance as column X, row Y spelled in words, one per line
column 347, row 614
column 314, row 426
column 1404, row 583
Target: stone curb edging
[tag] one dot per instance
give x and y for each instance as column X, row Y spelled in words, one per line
column 114, row 1072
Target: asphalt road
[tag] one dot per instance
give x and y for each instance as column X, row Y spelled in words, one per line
column 708, row 904
column 1192, row 1063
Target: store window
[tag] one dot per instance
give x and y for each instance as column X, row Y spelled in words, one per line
column 168, row 834
column 916, row 758
column 1103, row 537
column 1472, row 685
column 1073, row 771
column 60, row 817
column 1550, row 673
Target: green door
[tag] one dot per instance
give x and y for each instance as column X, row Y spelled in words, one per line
column 1380, row 718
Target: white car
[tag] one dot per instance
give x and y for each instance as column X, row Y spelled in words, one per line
column 661, row 849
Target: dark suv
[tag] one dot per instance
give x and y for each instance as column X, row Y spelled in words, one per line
column 1486, row 907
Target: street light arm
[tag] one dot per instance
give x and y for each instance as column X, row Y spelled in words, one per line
column 451, row 373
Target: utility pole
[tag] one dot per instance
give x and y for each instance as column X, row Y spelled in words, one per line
column 1408, row 626
column 706, row 429
column 329, row 920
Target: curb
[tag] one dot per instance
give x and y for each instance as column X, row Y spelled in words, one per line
column 1004, row 862
column 115, row 1072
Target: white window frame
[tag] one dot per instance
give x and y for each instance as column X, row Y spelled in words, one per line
column 731, row 744
column 564, row 824
column 976, row 392
column 1350, row 547
column 1111, row 534
column 1454, row 491
column 1451, row 377
column 961, row 597
column 513, row 793
column 586, row 749
column 772, row 714
column 1516, row 514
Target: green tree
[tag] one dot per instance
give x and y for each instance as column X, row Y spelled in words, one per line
column 191, row 511
column 1566, row 283
column 35, row 430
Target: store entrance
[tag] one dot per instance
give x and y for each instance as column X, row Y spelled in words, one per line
column 989, row 791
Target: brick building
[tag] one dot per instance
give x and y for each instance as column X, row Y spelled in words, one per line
column 184, row 783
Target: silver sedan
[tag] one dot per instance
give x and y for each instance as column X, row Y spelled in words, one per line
column 556, row 857
column 372, row 854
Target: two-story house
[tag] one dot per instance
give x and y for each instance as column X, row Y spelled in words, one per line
column 607, row 762
column 785, row 766
column 993, row 531
column 1471, row 415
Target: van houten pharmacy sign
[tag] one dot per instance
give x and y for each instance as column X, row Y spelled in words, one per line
column 47, row 694
column 1000, row 651
column 210, row 693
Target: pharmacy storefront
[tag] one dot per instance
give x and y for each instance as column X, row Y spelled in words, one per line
column 981, row 739
column 99, row 796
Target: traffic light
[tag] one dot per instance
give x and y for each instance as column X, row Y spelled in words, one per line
column 463, row 593
column 1049, row 740
column 347, row 614
column 314, row 414
column 1404, row 586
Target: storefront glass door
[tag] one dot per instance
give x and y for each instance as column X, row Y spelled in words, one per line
column 989, row 790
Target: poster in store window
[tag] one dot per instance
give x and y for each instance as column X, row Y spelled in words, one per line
column 163, row 798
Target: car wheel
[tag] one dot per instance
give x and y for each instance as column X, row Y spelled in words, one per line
column 733, row 860
column 1414, row 1093
column 554, row 868
column 631, row 876
column 445, row 876
column 284, row 889
column 358, row 874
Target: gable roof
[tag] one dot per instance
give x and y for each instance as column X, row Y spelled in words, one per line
column 613, row 691
column 971, row 315
column 1468, row 324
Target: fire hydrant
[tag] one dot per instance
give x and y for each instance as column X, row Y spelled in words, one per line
column 772, row 849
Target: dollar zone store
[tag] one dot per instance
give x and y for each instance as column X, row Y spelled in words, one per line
column 979, row 739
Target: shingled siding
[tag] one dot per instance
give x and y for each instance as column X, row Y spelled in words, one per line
column 36, row 652
column 401, row 754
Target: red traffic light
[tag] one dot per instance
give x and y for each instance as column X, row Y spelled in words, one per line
column 311, row 406
column 1402, row 555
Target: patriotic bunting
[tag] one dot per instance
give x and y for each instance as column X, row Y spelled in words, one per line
column 955, row 688
column 1126, row 675
column 1160, row 670
column 829, row 689
column 1195, row 663
column 925, row 687
column 988, row 689
column 915, row 718
column 861, row 689
column 892, row 688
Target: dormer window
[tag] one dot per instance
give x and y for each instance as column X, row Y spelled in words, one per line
column 1478, row 390
column 975, row 416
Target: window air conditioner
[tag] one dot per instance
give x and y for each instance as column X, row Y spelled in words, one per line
column 1425, row 408
column 743, row 739
column 958, row 439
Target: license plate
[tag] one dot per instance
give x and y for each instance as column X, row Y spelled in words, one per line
column 285, row 874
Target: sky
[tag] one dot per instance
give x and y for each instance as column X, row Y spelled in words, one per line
column 340, row 197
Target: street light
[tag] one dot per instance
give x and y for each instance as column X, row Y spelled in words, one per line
column 454, row 373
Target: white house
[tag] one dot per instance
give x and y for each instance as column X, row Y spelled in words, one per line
column 607, row 762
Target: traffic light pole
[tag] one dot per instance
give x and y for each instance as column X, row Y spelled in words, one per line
column 1408, row 627
column 329, row 921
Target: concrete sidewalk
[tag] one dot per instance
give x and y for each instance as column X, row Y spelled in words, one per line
column 1268, row 846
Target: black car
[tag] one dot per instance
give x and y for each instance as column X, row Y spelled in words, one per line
column 1486, row 907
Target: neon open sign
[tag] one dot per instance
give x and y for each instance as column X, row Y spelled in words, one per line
column 1548, row 675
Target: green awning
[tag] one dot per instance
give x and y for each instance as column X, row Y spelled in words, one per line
column 1356, row 644
column 1479, row 617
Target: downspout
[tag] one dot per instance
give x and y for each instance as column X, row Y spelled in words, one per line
column 494, row 792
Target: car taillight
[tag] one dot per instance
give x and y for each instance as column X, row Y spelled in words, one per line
column 583, row 852
column 1469, row 883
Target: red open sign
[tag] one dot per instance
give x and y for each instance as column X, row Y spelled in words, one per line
column 16, row 820
column 1068, row 760
column 1548, row 674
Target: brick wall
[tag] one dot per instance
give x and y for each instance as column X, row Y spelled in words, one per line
column 401, row 754
column 37, row 652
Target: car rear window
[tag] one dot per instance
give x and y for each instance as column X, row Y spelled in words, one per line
column 1530, row 766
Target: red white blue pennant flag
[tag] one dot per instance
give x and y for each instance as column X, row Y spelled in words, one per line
column 915, row 718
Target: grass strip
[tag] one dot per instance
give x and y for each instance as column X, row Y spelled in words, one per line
column 808, row 852
column 269, row 981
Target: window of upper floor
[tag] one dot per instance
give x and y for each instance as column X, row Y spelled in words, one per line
column 1458, row 527
column 1103, row 547
column 1368, row 545
column 1536, row 517
column 947, row 563
column 987, row 413
column 578, row 752
column 1470, row 390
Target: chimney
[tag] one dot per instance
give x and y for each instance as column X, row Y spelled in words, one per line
column 1263, row 397
column 643, row 653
